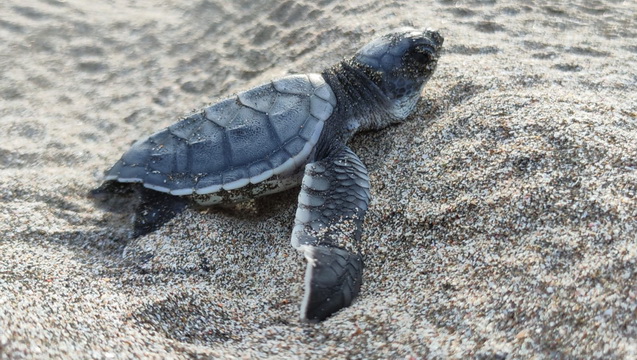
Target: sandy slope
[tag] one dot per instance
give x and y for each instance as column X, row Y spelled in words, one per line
column 504, row 214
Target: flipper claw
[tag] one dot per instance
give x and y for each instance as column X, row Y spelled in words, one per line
column 333, row 279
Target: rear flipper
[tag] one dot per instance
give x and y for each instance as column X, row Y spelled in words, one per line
column 110, row 190
column 332, row 203
column 155, row 209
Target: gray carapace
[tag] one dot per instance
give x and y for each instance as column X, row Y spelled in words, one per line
column 289, row 132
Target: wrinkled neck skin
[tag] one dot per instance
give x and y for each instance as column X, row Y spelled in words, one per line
column 361, row 105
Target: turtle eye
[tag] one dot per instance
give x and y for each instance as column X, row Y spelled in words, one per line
column 421, row 54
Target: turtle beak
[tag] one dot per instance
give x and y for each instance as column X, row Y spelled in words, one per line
column 435, row 37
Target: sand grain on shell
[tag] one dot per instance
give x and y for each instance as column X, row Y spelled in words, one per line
column 503, row 215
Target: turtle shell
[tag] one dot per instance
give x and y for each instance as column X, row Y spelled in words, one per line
column 265, row 131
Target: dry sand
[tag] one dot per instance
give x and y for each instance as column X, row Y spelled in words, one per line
column 504, row 213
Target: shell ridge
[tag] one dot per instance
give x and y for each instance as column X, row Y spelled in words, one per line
column 227, row 150
column 250, row 106
column 272, row 130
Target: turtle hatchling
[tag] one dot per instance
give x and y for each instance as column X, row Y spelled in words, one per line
column 289, row 132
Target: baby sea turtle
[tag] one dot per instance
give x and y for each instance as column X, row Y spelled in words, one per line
column 281, row 134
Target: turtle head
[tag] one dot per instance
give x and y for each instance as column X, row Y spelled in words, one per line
column 400, row 63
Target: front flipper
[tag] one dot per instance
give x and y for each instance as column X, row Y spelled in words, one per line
column 332, row 203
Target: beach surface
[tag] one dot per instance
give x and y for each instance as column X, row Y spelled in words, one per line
column 504, row 214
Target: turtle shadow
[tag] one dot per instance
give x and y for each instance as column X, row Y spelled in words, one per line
column 257, row 209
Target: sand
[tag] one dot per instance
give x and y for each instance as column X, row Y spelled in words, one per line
column 504, row 211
